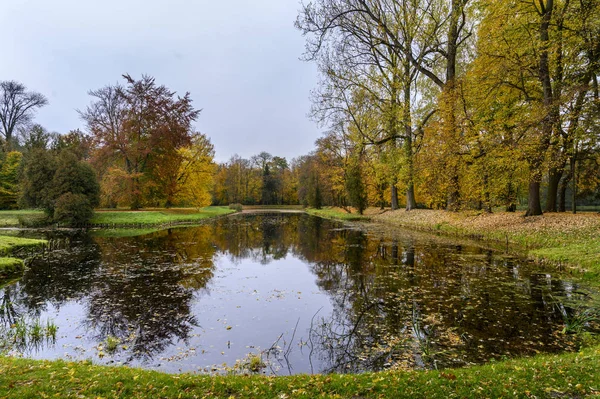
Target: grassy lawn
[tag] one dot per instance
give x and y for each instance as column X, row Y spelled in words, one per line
column 336, row 214
column 156, row 217
column 572, row 375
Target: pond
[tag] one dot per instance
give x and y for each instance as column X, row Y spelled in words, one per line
column 287, row 294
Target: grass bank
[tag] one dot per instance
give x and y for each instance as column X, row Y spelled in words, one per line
column 568, row 239
column 8, row 245
column 336, row 214
column 152, row 218
column 10, row 267
column 544, row 376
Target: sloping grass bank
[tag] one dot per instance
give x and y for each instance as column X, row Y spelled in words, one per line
column 152, row 218
column 336, row 214
column 8, row 245
column 572, row 240
column 573, row 375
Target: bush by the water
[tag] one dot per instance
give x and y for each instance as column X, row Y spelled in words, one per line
column 60, row 183
column 236, row 207
column 73, row 209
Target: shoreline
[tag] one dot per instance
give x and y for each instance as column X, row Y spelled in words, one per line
column 566, row 240
column 569, row 374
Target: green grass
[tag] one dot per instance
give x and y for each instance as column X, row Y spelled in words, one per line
column 10, row 267
column 579, row 248
column 331, row 213
column 9, row 244
column 156, row 218
column 19, row 218
column 568, row 240
column 544, row 376
column 585, row 254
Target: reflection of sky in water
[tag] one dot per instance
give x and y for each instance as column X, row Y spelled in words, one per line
column 328, row 298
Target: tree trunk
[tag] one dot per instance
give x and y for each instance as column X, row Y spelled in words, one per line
column 395, row 205
column 574, row 179
column 454, row 192
column 554, row 176
column 486, row 193
column 562, row 193
column 534, row 206
column 411, row 203
column 511, row 203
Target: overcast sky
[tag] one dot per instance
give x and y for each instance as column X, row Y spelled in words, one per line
column 239, row 59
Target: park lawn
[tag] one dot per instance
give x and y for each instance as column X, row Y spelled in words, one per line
column 16, row 218
column 544, row 376
column 156, row 217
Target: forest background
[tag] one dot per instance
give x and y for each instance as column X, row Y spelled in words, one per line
column 444, row 104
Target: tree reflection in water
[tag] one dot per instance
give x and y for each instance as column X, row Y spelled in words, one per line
column 398, row 299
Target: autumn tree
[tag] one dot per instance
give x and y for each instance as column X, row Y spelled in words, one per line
column 138, row 129
column 195, row 178
column 355, row 185
column 399, row 42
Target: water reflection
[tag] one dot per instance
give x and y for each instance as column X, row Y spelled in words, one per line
column 387, row 299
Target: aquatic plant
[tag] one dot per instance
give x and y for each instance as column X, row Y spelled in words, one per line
column 36, row 332
column 579, row 320
column 112, row 343
column 51, row 330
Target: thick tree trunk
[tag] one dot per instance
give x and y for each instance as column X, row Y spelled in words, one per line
column 554, row 176
column 534, row 206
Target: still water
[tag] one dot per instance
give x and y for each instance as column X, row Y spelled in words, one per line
column 304, row 294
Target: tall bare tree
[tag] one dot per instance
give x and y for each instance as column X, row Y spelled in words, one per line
column 17, row 107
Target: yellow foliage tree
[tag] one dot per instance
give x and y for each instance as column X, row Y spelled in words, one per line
column 196, row 173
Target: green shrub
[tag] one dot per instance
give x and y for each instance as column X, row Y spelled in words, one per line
column 236, row 207
column 73, row 209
